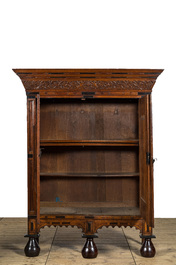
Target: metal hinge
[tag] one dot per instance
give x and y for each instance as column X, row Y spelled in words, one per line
column 31, row 95
column 148, row 158
column 87, row 95
column 40, row 153
column 144, row 93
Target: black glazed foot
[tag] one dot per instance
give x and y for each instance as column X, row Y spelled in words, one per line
column 147, row 250
column 32, row 248
column 89, row 250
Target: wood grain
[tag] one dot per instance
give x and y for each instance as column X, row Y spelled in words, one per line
column 89, row 119
column 89, row 160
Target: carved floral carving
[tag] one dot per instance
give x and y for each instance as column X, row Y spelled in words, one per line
column 88, row 85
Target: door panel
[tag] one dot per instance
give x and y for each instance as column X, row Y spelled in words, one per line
column 145, row 149
column 33, row 117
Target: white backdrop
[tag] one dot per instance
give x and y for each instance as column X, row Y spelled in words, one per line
column 85, row 34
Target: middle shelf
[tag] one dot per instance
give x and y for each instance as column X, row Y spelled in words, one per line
column 127, row 142
column 90, row 175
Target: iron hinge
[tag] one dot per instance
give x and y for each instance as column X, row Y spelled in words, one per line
column 32, row 95
column 40, row 152
column 144, row 93
column 148, row 158
column 87, row 95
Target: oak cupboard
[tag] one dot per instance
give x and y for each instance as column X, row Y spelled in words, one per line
column 90, row 158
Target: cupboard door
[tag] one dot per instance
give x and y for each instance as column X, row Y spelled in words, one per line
column 145, row 167
column 33, row 122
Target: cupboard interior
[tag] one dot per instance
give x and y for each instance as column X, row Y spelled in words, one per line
column 90, row 119
column 89, row 179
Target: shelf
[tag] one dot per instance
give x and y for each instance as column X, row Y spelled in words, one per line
column 91, row 175
column 131, row 211
column 128, row 142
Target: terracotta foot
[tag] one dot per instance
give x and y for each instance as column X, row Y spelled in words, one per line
column 32, row 248
column 89, row 250
column 147, row 250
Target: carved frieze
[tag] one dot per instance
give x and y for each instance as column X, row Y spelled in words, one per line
column 95, row 224
column 88, row 85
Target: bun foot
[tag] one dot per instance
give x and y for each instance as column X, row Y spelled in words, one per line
column 147, row 250
column 32, row 248
column 89, row 250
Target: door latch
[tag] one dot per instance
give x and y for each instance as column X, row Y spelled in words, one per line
column 154, row 159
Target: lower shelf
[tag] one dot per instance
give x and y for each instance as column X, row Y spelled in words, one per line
column 122, row 211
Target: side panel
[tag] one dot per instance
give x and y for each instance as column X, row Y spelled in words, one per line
column 33, row 116
column 151, row 167
column 145, row 149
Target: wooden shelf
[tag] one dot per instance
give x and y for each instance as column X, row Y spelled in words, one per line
column 59, row 210
column 91, row 175
column 128, row 142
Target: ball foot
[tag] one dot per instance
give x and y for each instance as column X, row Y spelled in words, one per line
column 89, row 250
column 32, row 248
column 147, row 250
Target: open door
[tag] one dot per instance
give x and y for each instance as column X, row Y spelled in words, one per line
column 33, row 117
column 145, row 160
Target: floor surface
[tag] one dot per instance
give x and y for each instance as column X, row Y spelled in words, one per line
column 62, row 246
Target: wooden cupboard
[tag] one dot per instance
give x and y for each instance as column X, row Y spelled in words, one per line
column 90, row 158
